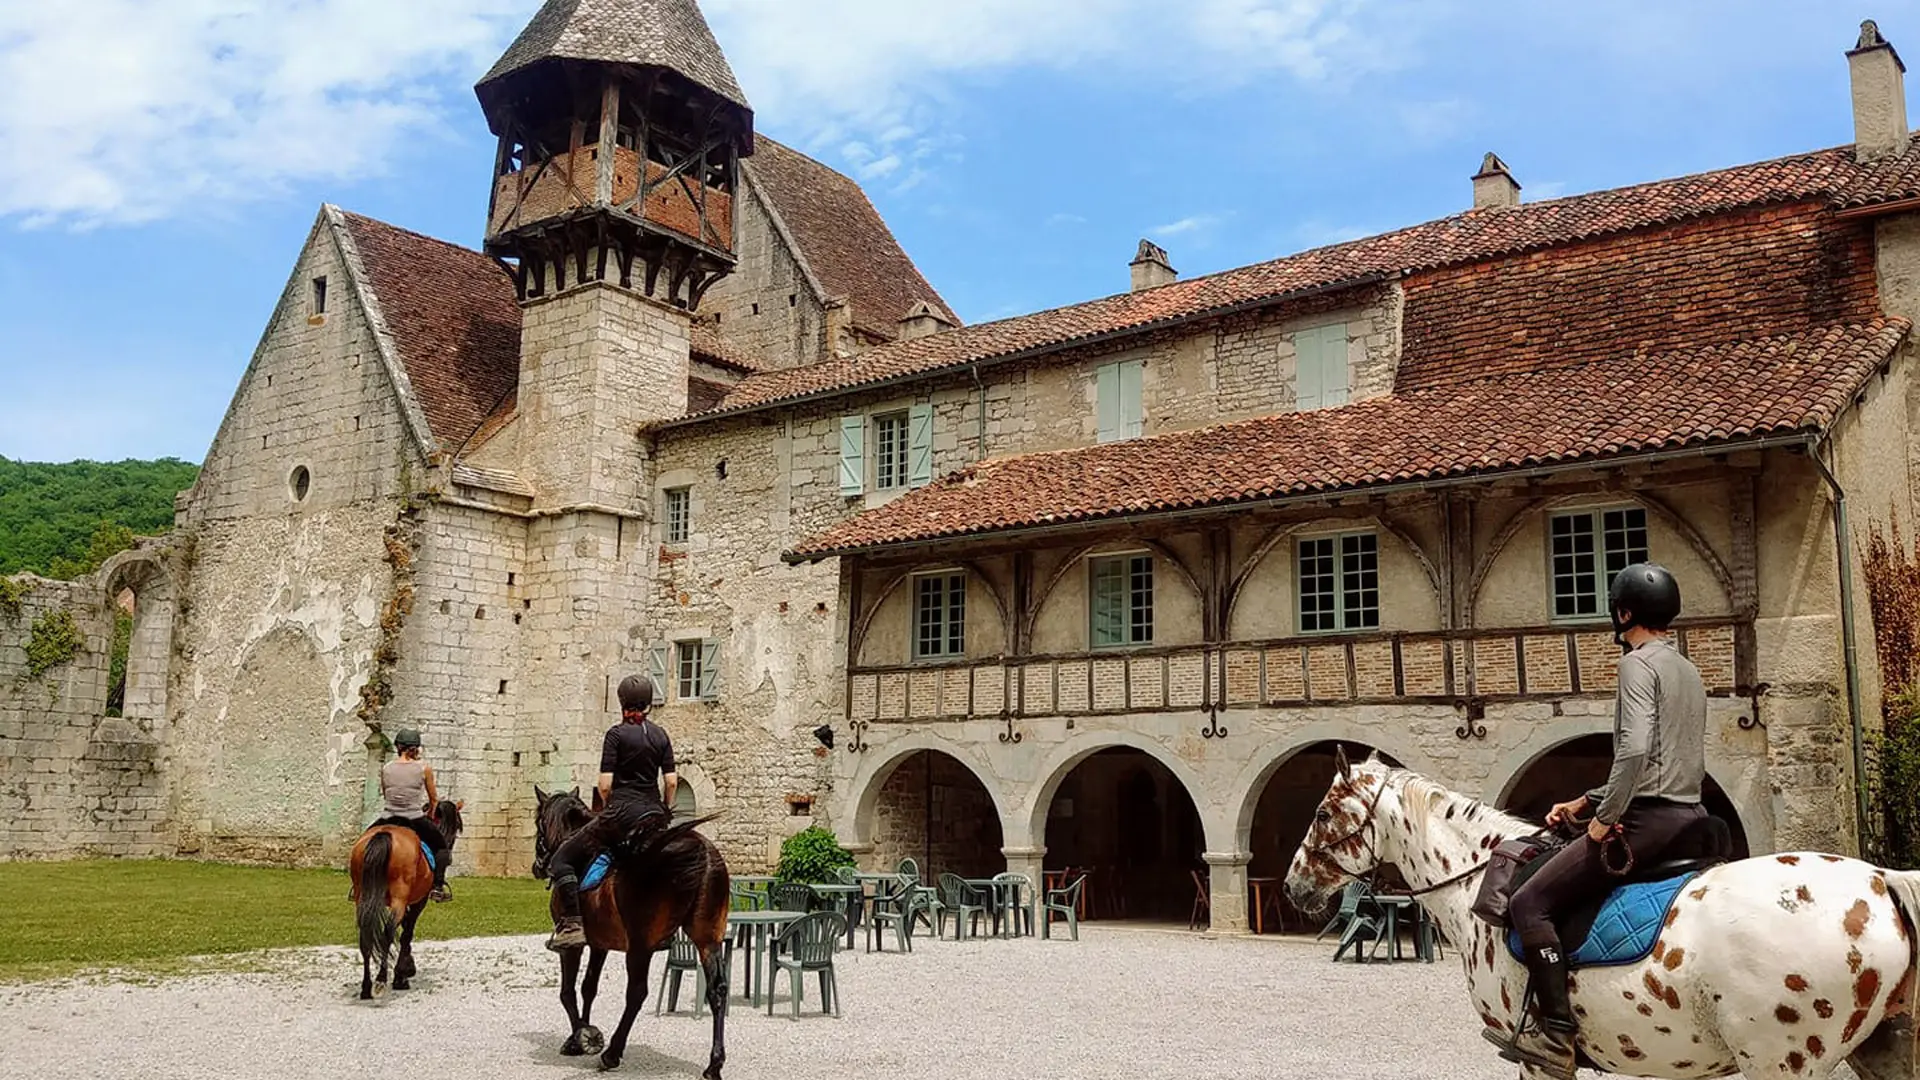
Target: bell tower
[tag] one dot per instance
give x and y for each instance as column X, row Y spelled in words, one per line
column 620, row 131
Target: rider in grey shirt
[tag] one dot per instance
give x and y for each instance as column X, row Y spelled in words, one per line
column 1658, row 751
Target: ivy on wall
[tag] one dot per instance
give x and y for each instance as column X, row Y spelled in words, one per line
column 12, row 593
column 1892, row 572
column 54, row 640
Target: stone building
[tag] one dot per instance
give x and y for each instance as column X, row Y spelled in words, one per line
column 1098, row 587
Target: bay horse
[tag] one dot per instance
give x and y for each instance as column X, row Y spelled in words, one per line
column 673, row 879
column 391, row 881
column 1769, row 966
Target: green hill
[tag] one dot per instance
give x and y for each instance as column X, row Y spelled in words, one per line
column 63, row 520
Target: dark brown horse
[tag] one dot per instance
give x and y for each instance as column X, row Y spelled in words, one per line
column 673, row 879
column 391, row 880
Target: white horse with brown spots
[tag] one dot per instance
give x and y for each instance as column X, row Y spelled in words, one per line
column 1780, row 965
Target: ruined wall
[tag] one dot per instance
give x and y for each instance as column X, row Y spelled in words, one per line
column 766, row 308
column 73, row 781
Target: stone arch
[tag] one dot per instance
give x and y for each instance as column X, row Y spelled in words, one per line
column 975, row 574
column 874, row 772
column 1030, row 617
column 1654, row 505
column 1251, row 784
column 1031, row 819
column 1281, row 534
column 142, row 574
column 696, row 785
column 1750, row 824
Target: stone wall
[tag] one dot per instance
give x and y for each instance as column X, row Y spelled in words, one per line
column 935, row 812
column 767, row 308
column 73, row 781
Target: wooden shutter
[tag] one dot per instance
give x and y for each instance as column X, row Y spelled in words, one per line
column 657, row 671
column 1320, row 363
column 1106, row 398
column 709, row 669
column 1132, row 409
column 920, row 445
column 1307, row 392
column 853, row 454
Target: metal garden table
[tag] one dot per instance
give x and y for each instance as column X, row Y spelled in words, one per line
column 847, row 899
column 759, row 927
column 1006, row 904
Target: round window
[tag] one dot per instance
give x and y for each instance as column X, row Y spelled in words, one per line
column 300, row 482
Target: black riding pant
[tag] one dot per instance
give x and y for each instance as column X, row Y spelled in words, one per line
column 431, row 838
column 576, row 853
column 1576, row 871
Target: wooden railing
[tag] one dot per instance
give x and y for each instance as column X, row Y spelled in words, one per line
column 1546, row 662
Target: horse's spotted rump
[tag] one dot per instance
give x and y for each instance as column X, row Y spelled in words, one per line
column 1854, row 960
column 1816, row 1046
column 1831, row 858
column 1823, row 1008
column 1628, row 1050
column 1628, row 994
column 1805, row 894
column 1853, row 1024
column 1506, row 999
column 1663, row 1029
column 1790, row 860
column 1796, row 983
column 1866, row 987
column 1683, row 1064
column 1659, row 949
column 1661, row 991
column 1786, row 1014
column 1675, row 956
column 1644, row 1009
column 1672, row 914
column 1857, row 918
column 1878, row 883
column 1796, row 1061
column 1699, row 893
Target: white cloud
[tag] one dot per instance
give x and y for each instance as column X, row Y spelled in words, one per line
column 131, row 110
column 1193, row 223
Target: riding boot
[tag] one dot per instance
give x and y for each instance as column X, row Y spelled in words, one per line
column 441, row 857
column 567, row 931
column 1548, row 1043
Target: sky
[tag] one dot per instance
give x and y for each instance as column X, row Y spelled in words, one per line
column 162, row 161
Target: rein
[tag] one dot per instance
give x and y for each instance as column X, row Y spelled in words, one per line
column 1366, row 821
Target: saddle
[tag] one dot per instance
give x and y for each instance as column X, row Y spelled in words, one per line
column 1621, row 925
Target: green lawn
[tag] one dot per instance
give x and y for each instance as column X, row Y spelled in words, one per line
column 73, row 916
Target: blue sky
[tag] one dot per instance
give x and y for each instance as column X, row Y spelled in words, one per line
column 164, row 159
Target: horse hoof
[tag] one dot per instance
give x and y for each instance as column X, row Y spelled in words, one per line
column 366, row 993
column 712, row 1073
column 402, row 984
column 591, row 1040
column 379, row 991
column 609, row 1060
column 571, row 1048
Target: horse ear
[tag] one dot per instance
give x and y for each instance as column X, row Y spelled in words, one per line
column 576, row 791
column 540, row 796
column 1340, row 763
column 461, row 805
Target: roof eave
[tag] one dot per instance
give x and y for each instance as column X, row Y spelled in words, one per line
column 1802, row 439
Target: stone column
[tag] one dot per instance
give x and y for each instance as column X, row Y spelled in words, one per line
column 862, row 853
column 1227, row 886
column 1029, row 861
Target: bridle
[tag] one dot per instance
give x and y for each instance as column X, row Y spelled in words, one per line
column 1367, row 823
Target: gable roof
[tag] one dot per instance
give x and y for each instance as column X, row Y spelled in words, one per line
column 671, row 34
column 842, row 238
column 1792, row 385
column 1829, row 176
column 453, row 320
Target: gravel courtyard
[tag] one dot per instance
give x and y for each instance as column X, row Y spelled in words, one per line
column 1120, row 1003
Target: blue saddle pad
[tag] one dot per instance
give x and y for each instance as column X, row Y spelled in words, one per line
column 603, row 862
column 1626, row 926
column 427, row 854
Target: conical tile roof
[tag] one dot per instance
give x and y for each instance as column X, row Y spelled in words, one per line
column 671, row 34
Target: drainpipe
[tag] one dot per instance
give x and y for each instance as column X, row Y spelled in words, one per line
column 1843, row 548
column 980, row 428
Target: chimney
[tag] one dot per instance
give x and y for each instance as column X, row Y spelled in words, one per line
column 839, row 315
column 920, row 320
column 1879, row 96
column 1493, row 185
column 1151, row 268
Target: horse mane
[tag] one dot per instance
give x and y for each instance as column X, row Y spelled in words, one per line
column 449, row 814
column 1421, row 797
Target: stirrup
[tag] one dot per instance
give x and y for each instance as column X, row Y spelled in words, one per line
column 440, row 894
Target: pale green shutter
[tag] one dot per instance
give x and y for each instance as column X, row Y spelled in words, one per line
column 657, row 671
column 709, row 669
column 920, row 445
column 1333, row 365
column 853, row 454
column 1308, row 392
column 1132, row 409
column 1106, row 395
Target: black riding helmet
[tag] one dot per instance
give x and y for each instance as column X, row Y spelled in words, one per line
column 406, row 739
column 1649, row 595
column 636, row 694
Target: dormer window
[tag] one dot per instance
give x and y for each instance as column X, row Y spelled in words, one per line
column 1321, row 372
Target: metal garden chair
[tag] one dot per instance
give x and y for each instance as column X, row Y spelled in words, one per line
column 895, row 909
column 806, row 947
column 792, row 896
column 682, row 957
column 1017, row 903
column 1066, row 901
column 965, row 903
column 1349, row 907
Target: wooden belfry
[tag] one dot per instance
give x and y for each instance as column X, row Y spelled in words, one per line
column 621, row 129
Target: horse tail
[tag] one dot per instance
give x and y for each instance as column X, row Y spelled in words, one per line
column 1905, row 887
column 372, row 912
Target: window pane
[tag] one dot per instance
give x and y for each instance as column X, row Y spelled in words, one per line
column 1316, row 585
column 1360, row 581
column 1140, row 600
column 1626, row 540
column 928, row 601
column 688, row 654
column 679, row 507
column 956, row 615
column 1109, row 602
column 890, row 457
column 1574, row 565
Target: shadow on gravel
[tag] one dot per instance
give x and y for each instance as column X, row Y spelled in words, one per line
column 641, row 1060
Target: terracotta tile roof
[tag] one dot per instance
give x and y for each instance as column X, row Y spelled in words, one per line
column 1606, row 409
column 454, row 323
column 711, row 347
column 1828, row 176
column 658, row 33
column 844, row 240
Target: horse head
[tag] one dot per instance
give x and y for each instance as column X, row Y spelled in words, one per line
column 1344, row 841
column 558, row 815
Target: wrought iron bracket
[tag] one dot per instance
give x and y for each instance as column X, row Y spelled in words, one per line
column 857, row 744
column 1009, row 735
column 1472, row 715
column 1214, row 729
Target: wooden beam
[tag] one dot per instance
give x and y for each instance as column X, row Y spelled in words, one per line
column 1745, row 572
column 608, row 150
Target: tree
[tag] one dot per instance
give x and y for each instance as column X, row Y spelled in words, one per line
column 65, row 520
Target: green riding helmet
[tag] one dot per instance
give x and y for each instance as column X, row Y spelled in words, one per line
column 406, row 739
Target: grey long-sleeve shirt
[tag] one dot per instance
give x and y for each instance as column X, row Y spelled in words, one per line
column 1659, row 731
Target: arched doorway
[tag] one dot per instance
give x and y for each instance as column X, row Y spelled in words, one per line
column 1580, row 765
column 933, row 809
column 1125, row 819
column 1283, row 815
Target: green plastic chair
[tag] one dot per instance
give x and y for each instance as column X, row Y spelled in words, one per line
column 1066, row 901
column 910, row 868
column 846, row 875
column 682, row 957
column 1019, row 909
column 894, row 909
column 965, row 903
column 1349, row 907
column 747, row 899
column 806, row 947
column 792, row 896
